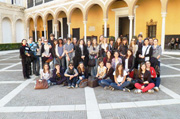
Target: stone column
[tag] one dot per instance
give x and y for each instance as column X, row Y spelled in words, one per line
column 69, row 29
column 130, row 27
column 13, row 32
column 85, row 31
column 105, row 27
column 44, row 31
column 55, row 30
column 163, row 30
column 35, row 30
column 34, row 2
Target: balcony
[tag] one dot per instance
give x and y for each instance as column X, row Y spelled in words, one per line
column 31, row 3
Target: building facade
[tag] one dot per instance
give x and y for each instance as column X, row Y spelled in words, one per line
column 85, row 18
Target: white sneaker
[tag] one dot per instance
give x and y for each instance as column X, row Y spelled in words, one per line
column 156, row 89
column 150, row 91
column 138, row 91
column 77, row 86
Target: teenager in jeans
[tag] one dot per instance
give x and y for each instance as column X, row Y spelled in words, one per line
column 59, row 50
column 68, row 50
column 109, row 78
column 71, row 74
column 83, row 73
column 120, row 79
column 45, row 73
column 38, row 54
column 116, row 60
column 144, row 78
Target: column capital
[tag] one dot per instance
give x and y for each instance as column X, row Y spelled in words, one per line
column 35, row 27
column 85, row 22
column 55, row 24
column 69, row 23
column 105, row 20
column 163, row 14
column 131, row 17
column 44, row 26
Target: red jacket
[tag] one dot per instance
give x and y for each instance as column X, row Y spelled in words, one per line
column 153, row 72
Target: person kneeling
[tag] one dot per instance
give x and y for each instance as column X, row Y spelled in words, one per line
column 144, row 77
column 58, row 76
column 120, row 79
column 71, row 74
column 83, row 73
column 109, row 78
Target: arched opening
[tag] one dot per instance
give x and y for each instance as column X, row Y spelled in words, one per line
column 77, row 23
column 49, row 24
column 40, row 27
column 172, row 21
column 6, row 30
column 94, row 21
column 118, row 21
column 62, row 30
column 19, row 30
column 31, row 28
column 148, row 18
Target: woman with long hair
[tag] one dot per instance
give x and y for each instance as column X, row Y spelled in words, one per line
column 117, row 44
column 123, row 47
column 94, row 53
column 82, row 73
column 108, row 57
column 120, row 79
column 81, row 54
column 133, row 45
column 144, row 78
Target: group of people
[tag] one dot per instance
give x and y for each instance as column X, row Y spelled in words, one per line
column 174, row 43
column 116, row 65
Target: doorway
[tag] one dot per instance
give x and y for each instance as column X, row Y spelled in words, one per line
column 76, row 33
column 123, row 27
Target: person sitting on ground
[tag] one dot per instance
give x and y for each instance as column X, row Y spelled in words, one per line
column 45, row 73
column 109, row 78
column 154, row 78
column 83, row 73
column 57, row 76
column 144, row 78
column 101, row 71
column 120, row 79
column 71, row 74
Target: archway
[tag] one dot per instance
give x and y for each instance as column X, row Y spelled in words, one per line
column 19, row 30
column 40, row 27
column 62, row 30
column 6, row 30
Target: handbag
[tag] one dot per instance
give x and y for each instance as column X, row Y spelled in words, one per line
column 91, row 63
column 83, row 83
column 41, row 84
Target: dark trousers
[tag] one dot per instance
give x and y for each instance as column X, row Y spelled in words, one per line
column 72, row 82
column 58, row 82
column 36, row 65
column 25, row 69
column 44, row 59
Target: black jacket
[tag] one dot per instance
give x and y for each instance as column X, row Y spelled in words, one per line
column 109, row 74
column 130, row 63
column 53, row 47
column 123, row 49
column 78, row 55
column 147, row 77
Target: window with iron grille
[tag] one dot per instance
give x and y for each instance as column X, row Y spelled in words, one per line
column 30, row 3
column 48, row 0
column 38, row 2
column 151, row 29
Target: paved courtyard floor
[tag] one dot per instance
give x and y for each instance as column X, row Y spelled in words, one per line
column 19, row 100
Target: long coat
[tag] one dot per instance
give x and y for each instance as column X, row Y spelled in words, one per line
column 78, row 55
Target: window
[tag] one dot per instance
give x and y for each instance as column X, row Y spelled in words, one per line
column 151, row 29
column 30, row 3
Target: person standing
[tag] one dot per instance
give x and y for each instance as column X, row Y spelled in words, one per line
column 38, row 54
column 52, row 48
column 25, row 56
column 68, row 50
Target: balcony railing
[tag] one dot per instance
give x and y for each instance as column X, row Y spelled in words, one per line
column 30, row 3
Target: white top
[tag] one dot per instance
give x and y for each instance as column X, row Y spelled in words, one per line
column 101, row 70
column 126, row 65
column 119, row 78
column 104, row 46
column 46, row 51
column 46, row 75
column 81, row 47
column 146, row 51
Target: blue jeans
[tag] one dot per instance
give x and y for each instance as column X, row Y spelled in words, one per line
column 156, row 81
column 115, row 86
column 71, row 82
column 79, row 81
column 105, row 82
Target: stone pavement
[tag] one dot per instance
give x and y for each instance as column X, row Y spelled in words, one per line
column 18, row 99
